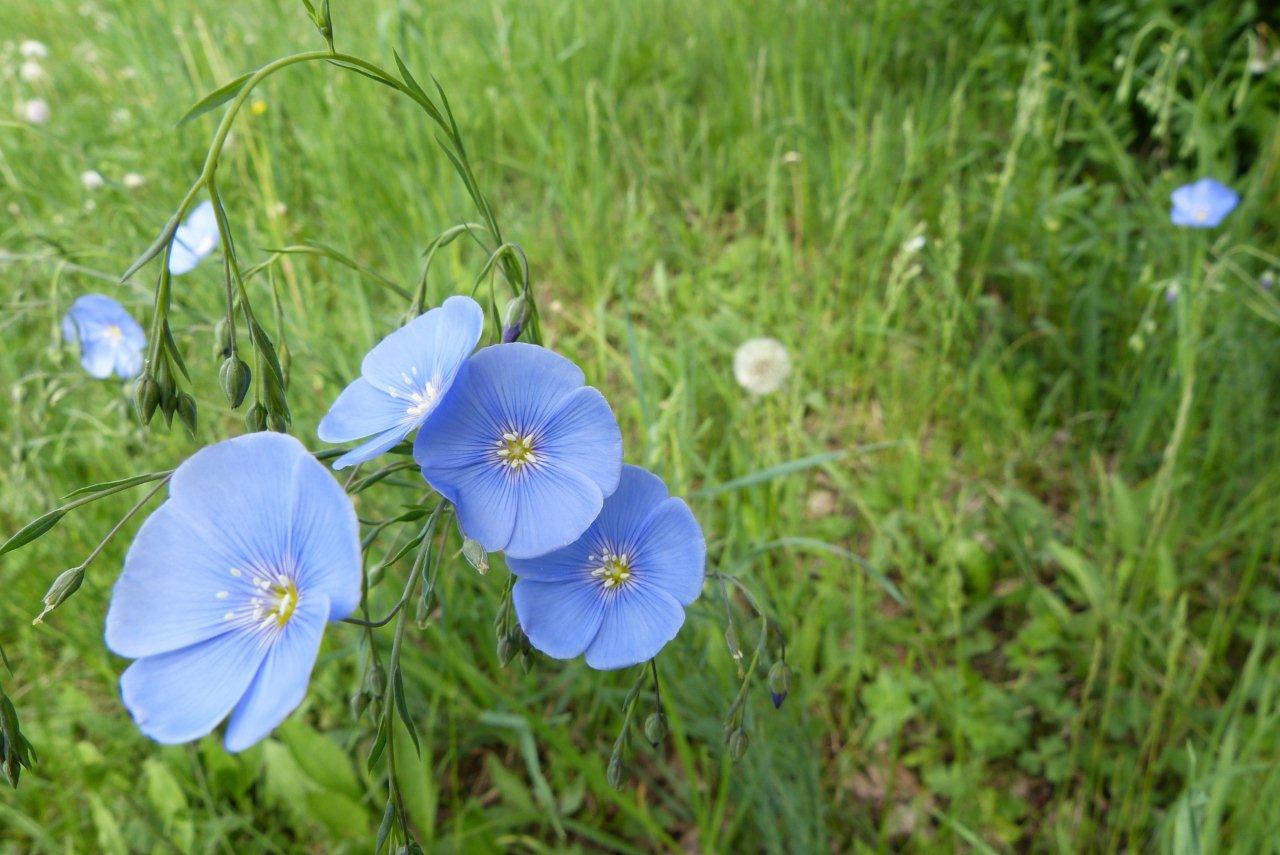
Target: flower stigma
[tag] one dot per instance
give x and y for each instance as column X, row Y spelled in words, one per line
column 515, row 451
column 614, row 570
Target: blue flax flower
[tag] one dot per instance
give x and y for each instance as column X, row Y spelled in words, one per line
column 227, row 587
column 1202, row 205
column 403, row 379
column 525, row 451
column 194, row 239
column 618, row 593
column 110, row 340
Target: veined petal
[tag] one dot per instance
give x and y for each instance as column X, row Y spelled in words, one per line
column 572, row 563
column 168, row 596
column 325, row 540
column 179, row 696
column 556, row 505
column 487, row 504
column 626, row 509
column 380, row 444
column 428, row 349
column 637, row 623
column 281, row 681
column 583, row 435
column 520, row 384
column 560, row 618
column 361, row 410
column 671, row 552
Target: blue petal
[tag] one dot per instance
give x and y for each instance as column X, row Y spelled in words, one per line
column 520, row 384
column 281, row 682
column 560, row 618
column 583, row 435
column 167, row 597
column 671, row 552
column 637, row 623
column 98, row 358
column 430, row 348
column 487, row 504
column 325, row 538
column 625, row 511
column 128, row 361
column 194, row 239
column 180, row 696
column 573, row 562
column 238, row 493
column 380, row 444
column 556, row 505
column 361, row 410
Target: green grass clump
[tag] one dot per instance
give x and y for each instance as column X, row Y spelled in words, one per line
column 1071, row 479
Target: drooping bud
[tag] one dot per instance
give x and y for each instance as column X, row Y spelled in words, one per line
column 235, row 378
column 507, row 649
column 256, row 419
column 67, row 583
column 187, row 411
column 223, row 336
column 475, row 555
column 616, row 770
column 278, row 423
column 779, row 682
column 738, row 743
column 514, row 318
column 147, row 398
column 655, row 728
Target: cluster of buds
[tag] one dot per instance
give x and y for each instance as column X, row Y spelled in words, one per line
column 158, row 388
column 15, row 751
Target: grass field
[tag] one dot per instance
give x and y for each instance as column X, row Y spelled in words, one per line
column 1070, row 477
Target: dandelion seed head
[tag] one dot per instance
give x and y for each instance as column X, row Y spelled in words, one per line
column 761, row 365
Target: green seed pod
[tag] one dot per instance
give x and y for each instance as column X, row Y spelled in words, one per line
column 779, row 682
column 9, row 723
column 655, row 728
column 256, row 419
column 67, row 583
column 731, row 639
column 147, row 398
column 475, row 555
column 507, row 649
column 615, row 771
column 278, row 423
column 187, row 411
column 235, row 378
column 738, row 743
column 224, row 339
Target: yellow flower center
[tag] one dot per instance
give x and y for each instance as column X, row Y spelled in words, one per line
column 273, row 602
column 515, row 451
column 614, row 570
column 112, row 334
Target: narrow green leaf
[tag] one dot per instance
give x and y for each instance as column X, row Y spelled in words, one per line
column 379, row 743
column 216, row 98
column 33, row 530
column 115, row 486
column 402, row 707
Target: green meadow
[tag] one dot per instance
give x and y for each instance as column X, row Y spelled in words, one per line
column 1015, row 510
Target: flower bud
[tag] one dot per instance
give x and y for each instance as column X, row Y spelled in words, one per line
column 779, row 682
column 615, row 772
column 738, row 743
column 147, row 398
column 655, row 728
column 223, row 337
column 256, row 419
column 506, row 650
column 475, row 555
column 187, row 411
column 235, row 377
column 1267, row 280
column 278, row 423
column 514, row 318
column 67, row 583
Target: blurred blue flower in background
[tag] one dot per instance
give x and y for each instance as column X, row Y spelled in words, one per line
column 110, row 339
column 194, row 239
column 619, row 592
column 227, row 587
column 1202, row 205
column 523, row 448
column 403, row 379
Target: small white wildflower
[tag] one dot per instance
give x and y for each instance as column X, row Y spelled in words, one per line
column 36, row 111
column 31, row 71
column 133, row 180
column 32, row 49
column 915, row 244
column 91, row 179
column 90, row 205
column 280, row 209
column 791, row 157
column 761, row 365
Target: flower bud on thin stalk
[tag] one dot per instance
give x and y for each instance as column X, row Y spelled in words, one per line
column 779, row 682
column 235, row 378
column 514, row 318
column 655, row 728
column 67, row 583
column 147, row 398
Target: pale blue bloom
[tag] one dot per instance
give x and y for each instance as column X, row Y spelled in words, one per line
column 227, row 587
column 619, row 592
column 1202, row 205
column 525, row 451
column 403, row 379
column 110, row 339
column 194, row 239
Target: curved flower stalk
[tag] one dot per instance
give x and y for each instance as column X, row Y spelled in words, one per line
column 227, row 587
